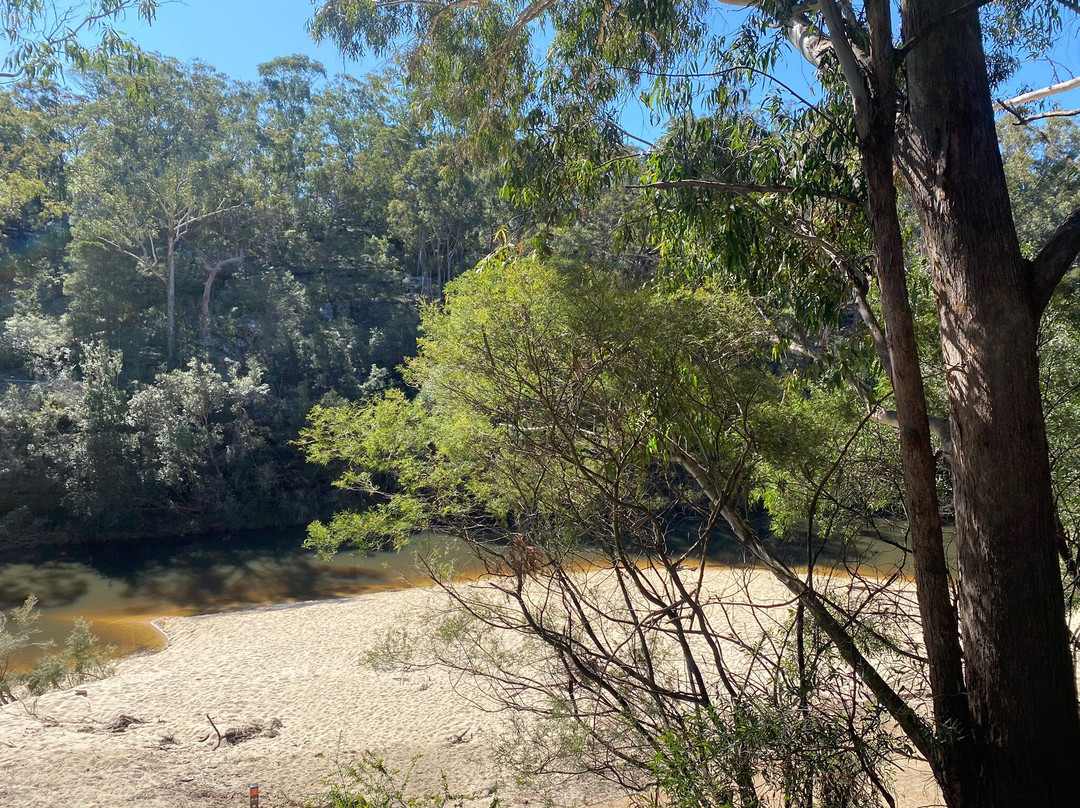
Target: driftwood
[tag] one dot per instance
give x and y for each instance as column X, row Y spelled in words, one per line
column 236, row 735
column 122, row 722
column 208, row 718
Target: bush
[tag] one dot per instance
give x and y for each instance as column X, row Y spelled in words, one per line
column 369, row 783
column 81, row 660
column 17, row 631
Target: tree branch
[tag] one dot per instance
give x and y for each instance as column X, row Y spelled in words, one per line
column 1023, row 120
column 800, row 32
column 939, row 427
column 851, row 62
column 920, row 735
column 1054, row 260
column 1035, row 95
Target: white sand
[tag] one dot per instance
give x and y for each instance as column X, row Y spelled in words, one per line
column 301, row 664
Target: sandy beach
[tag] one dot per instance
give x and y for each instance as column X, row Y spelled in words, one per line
column 292, row 678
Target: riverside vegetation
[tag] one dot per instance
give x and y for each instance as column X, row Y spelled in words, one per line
column 186, row 273
column 815, row 313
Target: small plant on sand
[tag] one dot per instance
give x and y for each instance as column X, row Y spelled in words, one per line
column 17, row 630
column 82, row 659
column 370, row 783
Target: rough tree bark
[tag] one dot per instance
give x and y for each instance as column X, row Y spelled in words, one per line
column 1019, row 673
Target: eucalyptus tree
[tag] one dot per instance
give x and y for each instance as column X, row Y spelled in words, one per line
column 286, row 90
column 31, row 171
column 157, row 167
column 331, row 150
column 442, row 208
column 42, row 37
column 355, row 182
column 765, row 178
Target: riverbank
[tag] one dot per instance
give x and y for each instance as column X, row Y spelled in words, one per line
column 289, row 676
column 291, row 681
column 120, row 588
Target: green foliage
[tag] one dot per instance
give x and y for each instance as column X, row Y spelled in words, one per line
column 81, row 660
column 31, row 160
column 1042, row 166
column 40, row 345
column 162, row 174
column 807, row 756
column 43, row 36
column 335, row 198
column 193, row 422
column 546, row 393
column 370, row 783
column 17, row 630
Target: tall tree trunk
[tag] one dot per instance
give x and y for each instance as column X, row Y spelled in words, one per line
column 170, row 304
column 939, row 619
column 1019, row 671
column 876, row 128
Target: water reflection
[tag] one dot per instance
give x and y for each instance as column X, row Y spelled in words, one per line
column 122, row 586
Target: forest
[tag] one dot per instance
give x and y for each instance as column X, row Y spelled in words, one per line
column 823, row 338
column 189, row 264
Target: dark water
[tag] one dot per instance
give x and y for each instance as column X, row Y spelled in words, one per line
column 121, row 586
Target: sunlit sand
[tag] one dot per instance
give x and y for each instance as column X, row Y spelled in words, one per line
column 298, row 664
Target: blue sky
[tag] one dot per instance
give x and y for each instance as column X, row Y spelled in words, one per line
column 235, row 36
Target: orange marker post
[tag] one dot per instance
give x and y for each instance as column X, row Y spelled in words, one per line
column 254, row 792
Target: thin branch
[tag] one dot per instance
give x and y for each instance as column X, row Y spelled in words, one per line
column 216, row 731
column 913, row 726
column 1023, row 120
column 753, row 71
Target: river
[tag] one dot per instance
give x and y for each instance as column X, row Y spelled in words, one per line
column 120, row 587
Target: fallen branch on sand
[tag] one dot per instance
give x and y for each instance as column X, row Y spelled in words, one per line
column 218, row 744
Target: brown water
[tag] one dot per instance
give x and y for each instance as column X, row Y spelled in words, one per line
column 120, row 587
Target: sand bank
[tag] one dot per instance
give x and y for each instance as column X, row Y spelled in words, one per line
column 296, row 671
